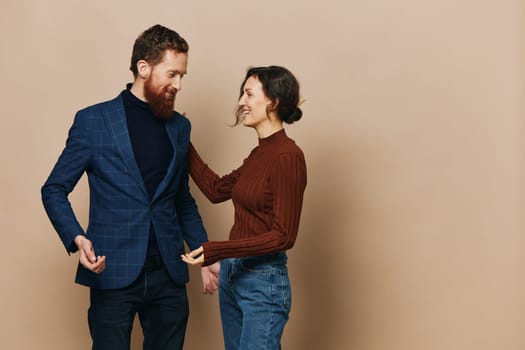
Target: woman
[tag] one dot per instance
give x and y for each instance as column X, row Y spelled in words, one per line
column 267, row 194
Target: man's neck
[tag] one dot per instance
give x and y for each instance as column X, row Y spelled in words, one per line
column 137, row 89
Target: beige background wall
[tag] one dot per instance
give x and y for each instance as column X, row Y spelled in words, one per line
column 412, row 230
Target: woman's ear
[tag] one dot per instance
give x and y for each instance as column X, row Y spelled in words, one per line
column 273, row 106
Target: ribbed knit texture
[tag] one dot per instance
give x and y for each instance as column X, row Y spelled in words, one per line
column 267, row 195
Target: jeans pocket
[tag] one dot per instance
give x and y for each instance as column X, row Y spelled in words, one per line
column 256, row 265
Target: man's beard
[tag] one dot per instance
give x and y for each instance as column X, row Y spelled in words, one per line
column 161, row 104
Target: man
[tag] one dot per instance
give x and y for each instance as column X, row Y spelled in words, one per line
column 134, row 150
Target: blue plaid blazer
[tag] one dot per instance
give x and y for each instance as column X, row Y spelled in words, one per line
column 121, row 211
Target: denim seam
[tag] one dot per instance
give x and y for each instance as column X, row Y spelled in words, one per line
column 270, row 322
column 283, row 294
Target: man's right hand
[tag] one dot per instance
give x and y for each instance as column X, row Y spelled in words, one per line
column 96, row 264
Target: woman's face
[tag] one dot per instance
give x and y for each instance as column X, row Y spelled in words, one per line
column 254, row 103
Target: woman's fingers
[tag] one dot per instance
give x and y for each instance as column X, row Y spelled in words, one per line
column 196, row 252
column 188, row 259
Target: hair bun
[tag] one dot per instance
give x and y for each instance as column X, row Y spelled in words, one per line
column 294, row 116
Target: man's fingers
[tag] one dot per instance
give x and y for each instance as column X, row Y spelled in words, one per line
column 101, row 262
column 88, row 259
column 100, row 268
column 209, row 281
column 96, row 267
column 209, row 288
column 215, row 269
column 213, row 285
column 87, row 248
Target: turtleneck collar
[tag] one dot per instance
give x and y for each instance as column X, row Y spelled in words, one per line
column 133, row 100
column 276, row 137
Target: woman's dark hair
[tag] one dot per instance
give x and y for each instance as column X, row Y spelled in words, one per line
column 151, row 44
column 281, row 87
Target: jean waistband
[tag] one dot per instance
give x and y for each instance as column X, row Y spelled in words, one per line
column 279, row 258
column 153, row 262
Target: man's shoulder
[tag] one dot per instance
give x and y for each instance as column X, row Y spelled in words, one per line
column 180, row 120
column 108, row 106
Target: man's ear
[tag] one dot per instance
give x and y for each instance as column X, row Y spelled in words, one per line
column 143, row 69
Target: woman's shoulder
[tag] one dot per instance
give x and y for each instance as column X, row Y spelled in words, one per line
column 289, row 146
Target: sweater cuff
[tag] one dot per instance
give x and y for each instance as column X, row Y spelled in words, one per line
column 209, row 257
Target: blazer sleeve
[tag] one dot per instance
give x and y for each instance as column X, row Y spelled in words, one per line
column 193, row 231
column 68, row 169
column 190, row 220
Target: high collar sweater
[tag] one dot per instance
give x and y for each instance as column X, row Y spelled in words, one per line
column 267, row 194
column 151, row 146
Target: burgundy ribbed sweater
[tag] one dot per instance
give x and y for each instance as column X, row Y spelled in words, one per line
column 267, row 195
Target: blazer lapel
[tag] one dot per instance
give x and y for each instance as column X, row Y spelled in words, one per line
column 116, row 118
column 171, row 129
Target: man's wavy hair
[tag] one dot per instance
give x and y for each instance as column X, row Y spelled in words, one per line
column 151, row 44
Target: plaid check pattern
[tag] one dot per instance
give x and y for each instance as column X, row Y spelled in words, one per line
column 121, row 212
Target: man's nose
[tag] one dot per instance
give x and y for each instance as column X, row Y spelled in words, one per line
column 176, row 84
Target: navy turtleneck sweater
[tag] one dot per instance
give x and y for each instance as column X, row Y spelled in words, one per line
column 151, row 146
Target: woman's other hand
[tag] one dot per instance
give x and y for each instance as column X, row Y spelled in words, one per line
column 195, row 258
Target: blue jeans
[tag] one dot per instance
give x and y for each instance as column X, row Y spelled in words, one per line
column 161, row 304
column 255, row 300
